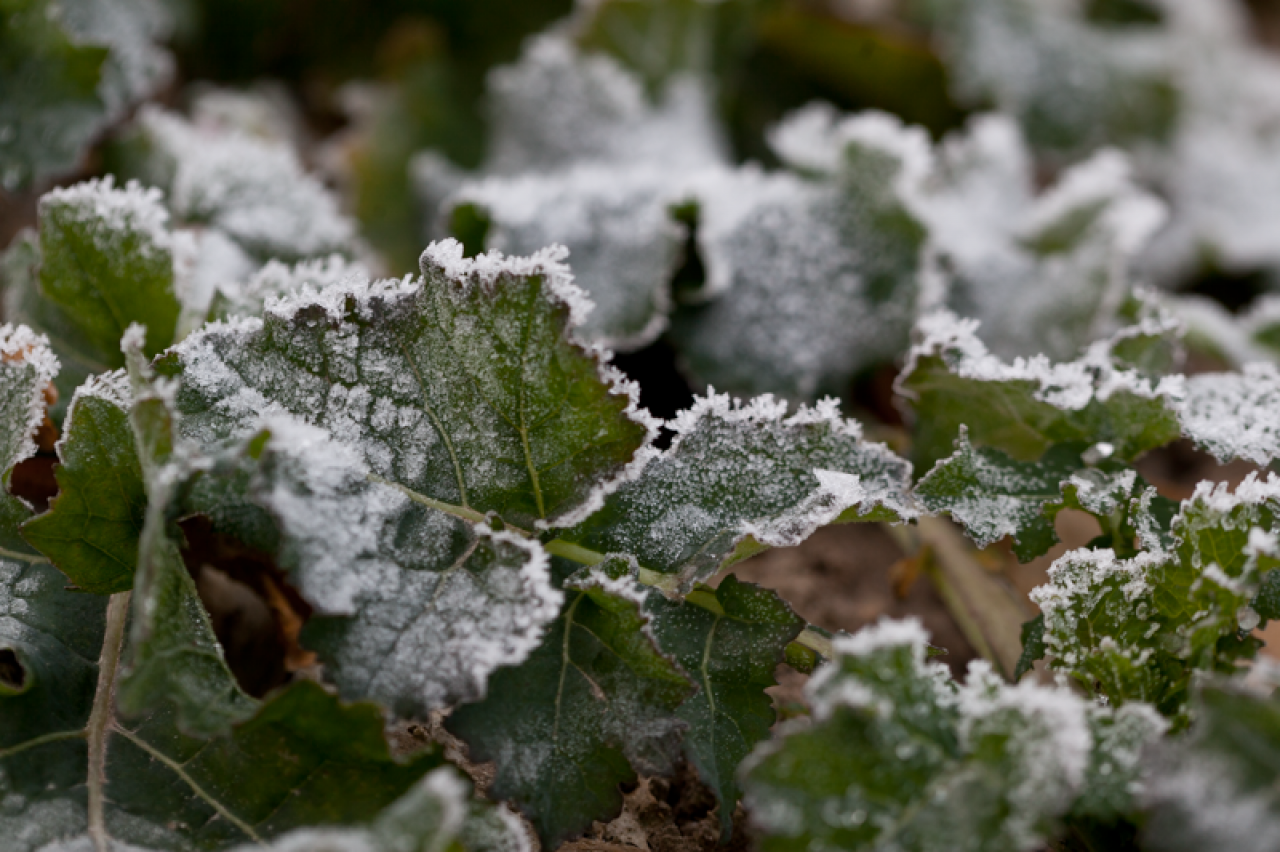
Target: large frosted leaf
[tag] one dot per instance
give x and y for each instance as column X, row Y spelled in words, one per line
column 252, row 189
column 413, row 607
column 750, row 476
column 68, row 70
column 594, row 703
column 1105, row 398
column 816, row 274
column 900, row 757
column 1044, row 274
column 729, row 641
column 465, row 386
column 1215, row 789
column 92, row 527
column 1137, row 628
column 27, row 368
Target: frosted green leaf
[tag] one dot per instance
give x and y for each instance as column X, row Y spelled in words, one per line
column 592, row 705
column 69, row 70
column 993, row 495
column 559, row 106
column 252, row 189
column 413, row 607
column 91, row 529
column 1105, row 398
column 1116, row 778
column 27, row 369
column 816, row 269
column 106, row 260
column 173, row 662
column 1044, row 274
column 1136, row 629
column 464, row 387
column 1234, row 415
column 583, row 158
column 746, row 476
column 277, row 280
column 303, row 759
column 624, row 243
column 729, row 642
column 437, row 813
column 1073, row 86
column 898, row 756
column 1215, row 788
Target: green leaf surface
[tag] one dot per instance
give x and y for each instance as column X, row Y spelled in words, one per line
column 413, row 607
column 730, row 642
column 107, row 261
column 1025, row 407
column 92, row 527
column 1033, row 647
column 592, row 705
column 737, row 473
column 464, row 387
column 900, row 757
column 814, row 270
column 993, row 495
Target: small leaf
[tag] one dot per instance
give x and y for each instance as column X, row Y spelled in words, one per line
column 1030, row 405
column 993, row 495
column 737, row 472
column 107, row 261
column 91, row 529
column 594, row 703
column 730, row 649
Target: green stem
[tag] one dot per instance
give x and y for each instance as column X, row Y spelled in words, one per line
column 669, row 583
column 101, row 717
column 33, row 558
column 55, row 737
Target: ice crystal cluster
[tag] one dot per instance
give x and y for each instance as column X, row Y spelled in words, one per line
column 467, row 527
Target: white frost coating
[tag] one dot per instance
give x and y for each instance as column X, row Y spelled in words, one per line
column 886, row 633
column 253, row 189
column 111, row 210
column 816, row 137
column 558, row 106
column 278, row 280
column 446, row 256
column 1069, row 386
column 27, row 368
column 366, row 551
column 1219, row 499
column 1213, row 811
column 624, row 244
column 204, row 259
column 1235, row 415
column 1043, row 274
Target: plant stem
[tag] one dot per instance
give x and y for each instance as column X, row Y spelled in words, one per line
column 669, row 583
column 102, row 715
